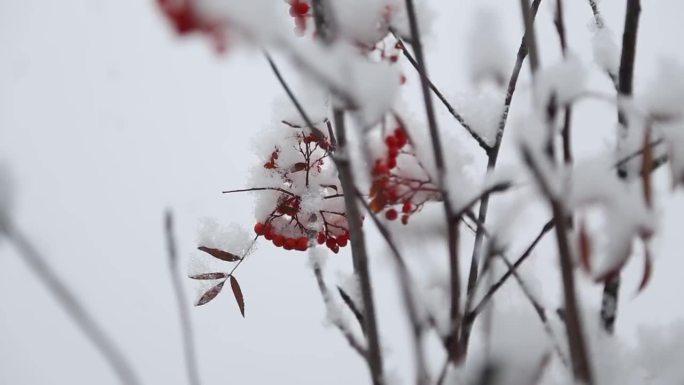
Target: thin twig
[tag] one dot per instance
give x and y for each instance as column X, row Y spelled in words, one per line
column 327, row 299
column 452, row 225
column 406, row 282
column 496, row 286
column 70, row 303
column 491, row 164
column 318, row 133
column 611, row 289
column 258, row 189
column 358, row 245
column 559, row 21
column 480, row 141
column 182, row 303
column 573, row 325
column 600, row 24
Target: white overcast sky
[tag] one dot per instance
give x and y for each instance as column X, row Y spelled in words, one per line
column 106, row 119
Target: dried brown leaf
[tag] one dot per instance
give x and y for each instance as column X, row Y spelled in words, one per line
column 237, row 292
column 209, row 276
column 210, row 294
column 220, row 254
column 299, row 166
column 648, row 270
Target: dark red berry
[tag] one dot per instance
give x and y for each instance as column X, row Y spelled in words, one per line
column 259, row 228
column 391, row 142
column 342, row 240
column 278, row 240
column 301, row 244
column 406, row 208
column 391, row 214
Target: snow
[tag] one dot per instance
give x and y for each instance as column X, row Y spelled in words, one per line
column 481, row 108
column 231, row 238
column 663, row 98
column 606, row 53
column 364, row 21
column 600, row 198
column 487, row 53
column 563, row 81
column 673, row 132
column 660, row 352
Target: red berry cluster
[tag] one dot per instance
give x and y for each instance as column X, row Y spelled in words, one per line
column 299, row 10
column 389, row 188
column 279, row 240
column 333, row 242
column 185, row 20
column 286, row 226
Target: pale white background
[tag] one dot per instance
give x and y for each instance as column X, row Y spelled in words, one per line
column 106, row 119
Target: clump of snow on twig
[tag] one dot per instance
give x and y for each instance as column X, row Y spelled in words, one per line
column 231, row 238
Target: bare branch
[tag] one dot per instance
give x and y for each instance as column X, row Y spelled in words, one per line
column 182, row 303
column 480, row 141
column 573, row 325
column 611, row 290
column 452, row 226
column 406, row 283
column 491, row 164
column 358, row 245
column 327, row 299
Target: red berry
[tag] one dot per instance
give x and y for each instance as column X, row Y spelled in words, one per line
column 391, row 141
column 391, row 195
column 406, row 208
column 299, row 7
column 391, row 214
column 259, row 228
column 393, row 152
column 320, row 238
column 278, row 240
column 404, row 219
column 342, row 240
column 289, row 243
column 301, row 244
column 331, row 243
column 392, row 162
column 400, row 134
column 380, row 168
column 334, row 248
